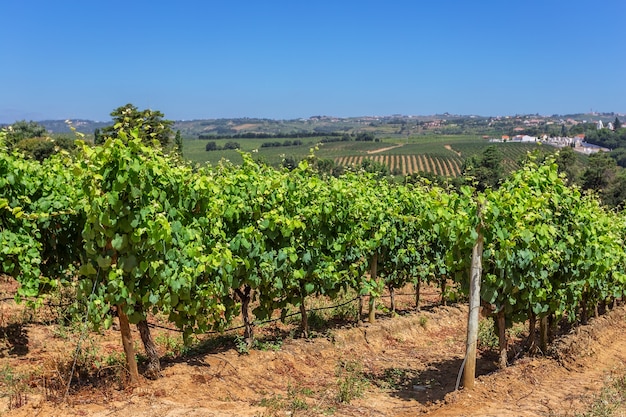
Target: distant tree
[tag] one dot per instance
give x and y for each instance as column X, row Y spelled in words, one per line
column 365, row 137
column 232, row 145
column 178, row 141
column 486, row 168
column 23, row 130
column 563, row 131
column 600, row 171
column 604, row 137
column 617, row 124
column 615, row 193
column 338, row 171
column 98, row 139
column 149, row 123
column 374, row 167
column 211, row 146
column 66, row 142
column 566, row 160
column 36, row 148
column 290, row 163
column 581, row 128
column 325, row 166
column 619, row 154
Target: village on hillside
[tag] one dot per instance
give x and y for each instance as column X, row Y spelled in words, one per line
column 576, row 142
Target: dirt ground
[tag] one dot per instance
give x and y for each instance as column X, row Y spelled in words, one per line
column 402, row 365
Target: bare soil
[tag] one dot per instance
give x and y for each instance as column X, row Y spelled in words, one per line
column 402, row 365
column 448, row 147
column 385, row 149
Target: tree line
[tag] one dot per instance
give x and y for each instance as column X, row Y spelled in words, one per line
column 256, row 135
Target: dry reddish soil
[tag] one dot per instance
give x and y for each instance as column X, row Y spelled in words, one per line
column 406, row 365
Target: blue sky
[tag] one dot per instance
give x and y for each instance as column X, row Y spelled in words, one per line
column 289, row 59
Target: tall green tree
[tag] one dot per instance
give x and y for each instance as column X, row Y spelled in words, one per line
column 149, row 124
column 375, row 167
column 600, row 172
column 614, row 194
column 617, row 124
column 178, row 141
column 98, row 139
column 567, row 162
column 486, row 168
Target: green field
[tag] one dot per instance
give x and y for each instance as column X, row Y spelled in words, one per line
column 437, row 154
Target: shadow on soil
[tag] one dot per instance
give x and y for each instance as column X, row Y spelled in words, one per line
column 431, row 384
column 15, row 340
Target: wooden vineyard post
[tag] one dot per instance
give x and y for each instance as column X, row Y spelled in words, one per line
column 502, row 356
column 373, row 272
column 129, row 349
column 417, row 294
column 469, row 372
column 360, row 310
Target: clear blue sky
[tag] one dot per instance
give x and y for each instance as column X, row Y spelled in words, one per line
column 288, row 59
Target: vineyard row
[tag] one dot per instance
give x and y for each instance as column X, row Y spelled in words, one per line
column 133, row 228
column 409, row 164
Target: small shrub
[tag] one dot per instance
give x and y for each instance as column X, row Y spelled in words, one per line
column 394, row 378
column 241, row 345
column 36, row 148
column 273, row 345
column 487, row 338
column 351, row 382
column 295, row 401
column 174, row 346
column 15, row 387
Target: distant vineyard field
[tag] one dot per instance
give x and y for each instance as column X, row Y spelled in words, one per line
column 409, row 164
column 439, row 158
column 441, row 155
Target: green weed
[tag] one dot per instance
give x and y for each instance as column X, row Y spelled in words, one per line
column 487, row 338
column 611, row 402
column 241, row 345
column 294, row 401
column 273, row 345
column 351, row 382
column 174, row 346
column 15, row 386
column 394, row 378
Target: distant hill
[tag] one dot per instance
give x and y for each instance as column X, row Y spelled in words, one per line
column 382, row 126
column 83, row 126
